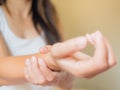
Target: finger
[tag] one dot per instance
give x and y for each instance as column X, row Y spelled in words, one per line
column 38, row 76
column 27, row 74
column 111, row 55
column 33, row 67
column 66, row 48
column 35, row 76
column 49, row 47
column 90, row 39
column 45, row 49
column 98, row 41
column 78, row 68
column 81, row 56
column 48, row 74
column 28, row 70
column 100, row 56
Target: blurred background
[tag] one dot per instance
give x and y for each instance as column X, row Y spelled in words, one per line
column 79, row 17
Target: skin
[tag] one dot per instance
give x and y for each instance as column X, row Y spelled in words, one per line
column 45, row 76
column 19, row 63
column 61, row 55
column 20, row 22
column 85, row 66
column 90, row 66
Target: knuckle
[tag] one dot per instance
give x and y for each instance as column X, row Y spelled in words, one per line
column 103, row 66
column 114, row 62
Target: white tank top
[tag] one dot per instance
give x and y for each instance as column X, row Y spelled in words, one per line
column 19, row 46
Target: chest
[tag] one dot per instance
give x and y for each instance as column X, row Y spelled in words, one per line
column 22, row 27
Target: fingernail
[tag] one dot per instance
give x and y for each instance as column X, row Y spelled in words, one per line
column 44, row 50
column 27, row 61
column 33, row 59
column 41, row 62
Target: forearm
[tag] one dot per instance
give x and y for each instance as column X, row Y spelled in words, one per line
column 12, row 68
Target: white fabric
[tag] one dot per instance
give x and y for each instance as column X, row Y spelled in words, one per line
column 19, row 46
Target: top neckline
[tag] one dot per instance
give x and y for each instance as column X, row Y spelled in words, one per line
column 13, row 34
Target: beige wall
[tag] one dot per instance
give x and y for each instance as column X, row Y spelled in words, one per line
column 86, row 16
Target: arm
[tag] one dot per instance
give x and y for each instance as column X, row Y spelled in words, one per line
column 12, row 68
column 85, row 66
column 3, row 48
column 3, row 52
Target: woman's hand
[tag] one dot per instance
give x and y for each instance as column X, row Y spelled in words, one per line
column 37, row 72
column 65, row 80
column 82, row 65
column 68, row 57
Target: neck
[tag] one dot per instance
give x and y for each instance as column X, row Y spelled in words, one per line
column 18, row 7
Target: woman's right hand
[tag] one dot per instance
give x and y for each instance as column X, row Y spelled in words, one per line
column 37, row 72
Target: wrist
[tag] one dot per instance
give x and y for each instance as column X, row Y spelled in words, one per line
column 49, row 60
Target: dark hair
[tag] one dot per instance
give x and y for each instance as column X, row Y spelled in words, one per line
column 44, row 15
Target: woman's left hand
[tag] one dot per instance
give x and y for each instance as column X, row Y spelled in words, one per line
column 68, row 57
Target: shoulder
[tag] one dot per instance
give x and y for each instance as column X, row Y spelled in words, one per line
column 1, row 18
column 1, row 13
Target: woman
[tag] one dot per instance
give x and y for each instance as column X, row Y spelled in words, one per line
column 25, row 15
column 27, row 24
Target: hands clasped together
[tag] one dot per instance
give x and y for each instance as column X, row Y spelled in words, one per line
column 68, row 56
